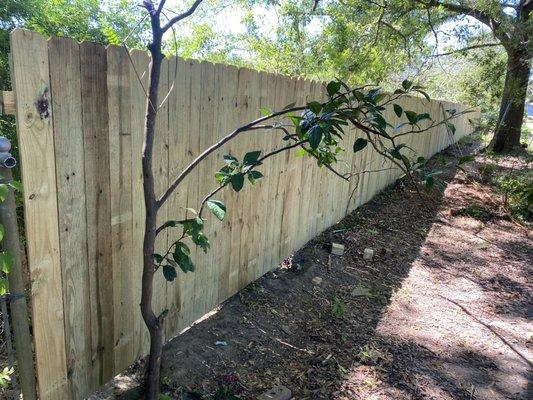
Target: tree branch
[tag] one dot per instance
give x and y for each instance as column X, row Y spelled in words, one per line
column 248, row 127
column 259, row 161
column 460, row 9
column 181, row 16
column 462, row 50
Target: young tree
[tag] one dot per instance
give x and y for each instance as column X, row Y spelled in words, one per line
column 316, row 128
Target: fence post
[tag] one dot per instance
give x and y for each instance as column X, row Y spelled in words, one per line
column 18, row 308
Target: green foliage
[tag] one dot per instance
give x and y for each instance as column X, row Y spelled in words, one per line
column 6, row 258
column 234, row 171
column 337, row 307
column 217, row 208
column 476, row 212
column 517, row 191
column 340, row 39
column 5, row 376
column 481, row 81
column 359, row 144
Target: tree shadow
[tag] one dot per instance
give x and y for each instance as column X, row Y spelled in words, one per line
column 313, row 324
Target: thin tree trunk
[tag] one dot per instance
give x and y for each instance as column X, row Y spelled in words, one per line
column 507, row 134
column 155, row 324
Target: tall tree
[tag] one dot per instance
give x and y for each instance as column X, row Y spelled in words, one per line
column 509, row 23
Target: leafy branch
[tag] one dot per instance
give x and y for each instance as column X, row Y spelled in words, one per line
column 317, row 131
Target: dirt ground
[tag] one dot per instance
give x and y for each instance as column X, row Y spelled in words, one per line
column 441, row 312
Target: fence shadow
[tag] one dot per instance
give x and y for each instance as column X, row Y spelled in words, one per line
column 307, row 324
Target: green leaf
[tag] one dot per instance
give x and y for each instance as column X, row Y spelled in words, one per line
column 16, row 185
column 379, row 97
column 291, row 105
column 422, row 117
column 398, row 110
column 406, row 162
column 466, row 159
column 451, row 127
column 412, row 117
column 221, row 177
column 169, row 272
column 424, row 94
column 6, row 261
column 4, row 190
column 295, row 119
column 230, row 160
column 315, row 107
column 301, row 152
column 180, row 257
column 4, row 286
column 380, row 121
column 315, row 136
column 218, row 208
column 2, row 232
column 407, row 84
column 430, row 181
column 333, row 87
column 158, row 258
column 251, row 157
column 254, row 176
column 265, row 112
column 201, row 241
column 359, row 145
column 182, row 247
column 396, row 153
column 358, row 95
column 237, row 182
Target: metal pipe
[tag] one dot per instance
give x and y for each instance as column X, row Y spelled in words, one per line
column 7, row 160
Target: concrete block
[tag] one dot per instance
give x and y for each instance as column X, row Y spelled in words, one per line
column 337, row 249
column 276, row 393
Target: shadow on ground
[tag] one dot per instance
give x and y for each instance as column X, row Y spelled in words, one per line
column 441, row 312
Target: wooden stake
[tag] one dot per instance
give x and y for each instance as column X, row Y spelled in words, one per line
column 17, row 303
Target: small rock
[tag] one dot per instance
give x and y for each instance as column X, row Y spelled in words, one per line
column 337, row 249
column 317, row 280
column 359, row 291
column 286, row 329
column 276, row 393
column 221, row 343
column 368, row 254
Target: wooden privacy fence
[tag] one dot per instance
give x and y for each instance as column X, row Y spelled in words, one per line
column 80, row 111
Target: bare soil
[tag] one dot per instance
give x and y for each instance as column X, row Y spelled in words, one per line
column 441, row 312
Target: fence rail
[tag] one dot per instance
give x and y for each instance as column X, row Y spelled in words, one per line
column 80, row 111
